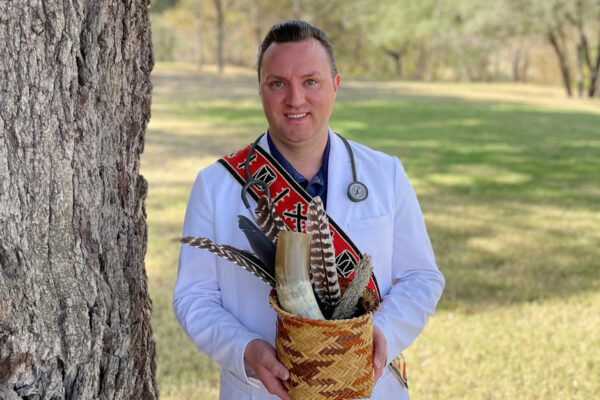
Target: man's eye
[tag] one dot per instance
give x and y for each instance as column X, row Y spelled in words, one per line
column 310, row 82
column 277, row 84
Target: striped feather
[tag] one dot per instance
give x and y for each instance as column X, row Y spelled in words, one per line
column 355, row 291
column 323, row 273
column 242, row 258
column 267, row 219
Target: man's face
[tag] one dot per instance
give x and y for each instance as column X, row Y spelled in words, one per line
column 297, row 92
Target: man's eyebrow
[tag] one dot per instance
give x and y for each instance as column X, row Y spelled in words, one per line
column 274, row 76
column 313, row 73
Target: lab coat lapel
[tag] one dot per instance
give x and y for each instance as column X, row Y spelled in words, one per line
column 264, row 143
column 338, row 178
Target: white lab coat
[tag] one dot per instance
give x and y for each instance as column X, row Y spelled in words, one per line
column 222, row 307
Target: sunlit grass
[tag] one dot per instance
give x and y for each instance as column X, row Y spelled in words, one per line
column 507, row 176
column 533, row 350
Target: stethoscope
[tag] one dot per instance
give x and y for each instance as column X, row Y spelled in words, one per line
column 357, row 191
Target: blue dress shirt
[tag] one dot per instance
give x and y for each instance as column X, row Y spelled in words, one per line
column 318, row 184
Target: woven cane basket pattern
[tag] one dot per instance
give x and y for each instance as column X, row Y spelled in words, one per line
column 326, row 359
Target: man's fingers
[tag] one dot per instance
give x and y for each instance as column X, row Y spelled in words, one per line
column 379, row 351
column 274, row 386
column 378, row 372
column 276, row 368
column 279, row 370
column 273, row 372
column 261, row 357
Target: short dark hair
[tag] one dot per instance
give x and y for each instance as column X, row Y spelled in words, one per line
column 294, row 30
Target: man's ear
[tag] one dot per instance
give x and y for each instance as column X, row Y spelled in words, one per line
column 336, row 83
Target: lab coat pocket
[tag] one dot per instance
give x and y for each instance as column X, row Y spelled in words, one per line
column 371, row 222
column 389, row 387
column 232, row 387
column 374, row 236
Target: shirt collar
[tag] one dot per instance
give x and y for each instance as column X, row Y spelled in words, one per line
column 318, row 184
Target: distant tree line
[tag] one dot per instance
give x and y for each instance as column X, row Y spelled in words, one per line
column 542, row 41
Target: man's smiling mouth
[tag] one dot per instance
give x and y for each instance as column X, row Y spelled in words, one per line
column 296, row 116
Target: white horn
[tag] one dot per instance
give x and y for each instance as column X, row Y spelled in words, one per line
column 293, row 286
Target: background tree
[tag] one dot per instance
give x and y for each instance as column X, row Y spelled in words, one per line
column 402, row 33
column 585, row 17
column 548, row 42
column 220, row 34
column 198, row 33
column 567, row 26
column 74, row 307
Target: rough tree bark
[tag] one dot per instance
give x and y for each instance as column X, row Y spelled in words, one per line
column 74, row 104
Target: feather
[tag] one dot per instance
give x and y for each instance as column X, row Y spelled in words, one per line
column 356, row 289
column 267, row 219
column 323, row 272
column 262, row 246
column 242, row 258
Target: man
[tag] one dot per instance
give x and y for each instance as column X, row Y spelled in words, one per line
column 223, row 308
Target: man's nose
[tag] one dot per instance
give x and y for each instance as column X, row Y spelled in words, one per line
column 295, row 95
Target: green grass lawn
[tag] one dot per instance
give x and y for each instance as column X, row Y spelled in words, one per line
column 508, row 178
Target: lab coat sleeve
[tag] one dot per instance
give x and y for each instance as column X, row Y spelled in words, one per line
column 197, row 298
column 417, row 283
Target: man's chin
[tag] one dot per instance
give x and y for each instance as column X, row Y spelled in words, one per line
column 296, row 136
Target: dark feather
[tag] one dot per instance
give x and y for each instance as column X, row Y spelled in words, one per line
column 267, row 219
column 263, row 246
column 323, row 273
column 242, row 258
column 356, row 289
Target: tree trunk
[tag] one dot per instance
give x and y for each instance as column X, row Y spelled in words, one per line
column 594, row 72
column 297, row 9
column 579, row 73
column 198, row 48
column 220, row 35
column 255, row 17
column 422, row 62
column 74, row 105
column 516, row 64
column 397, row 63
column 397, row 57
column 562, row 60
column 525, row 64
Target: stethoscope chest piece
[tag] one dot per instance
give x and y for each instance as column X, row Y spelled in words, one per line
column 357, row 191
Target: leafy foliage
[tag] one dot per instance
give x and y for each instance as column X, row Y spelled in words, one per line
column 471, row 40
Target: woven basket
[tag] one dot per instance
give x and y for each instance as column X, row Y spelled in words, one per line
column 326, row 359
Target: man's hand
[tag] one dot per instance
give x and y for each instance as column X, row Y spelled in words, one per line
column 379, row 352
column 260, row 356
